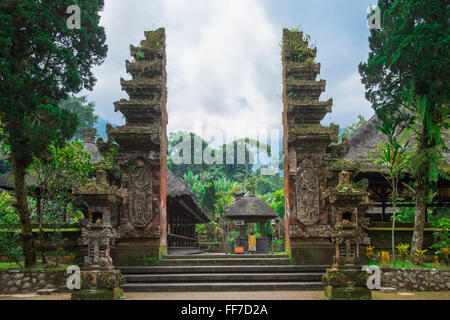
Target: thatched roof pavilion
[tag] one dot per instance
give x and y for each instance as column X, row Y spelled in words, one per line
column 177, row 191
column 251, row 209
column 362, row 143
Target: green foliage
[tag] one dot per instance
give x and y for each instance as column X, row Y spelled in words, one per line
column 268, row 184
column 441, row 235
column 41, row 62
column 231, row 242
column 10, row 243
column 140, row 54
column 403, row 250
column 384, row 257
column 66, row 168
column 40, row 66
column 276, row 201
column 180, row 163
column 393, row 156
column 370, row 253
column 150, row 261
column 407, row 75
column 83, row 109
column 405, row 214
column 419, row 256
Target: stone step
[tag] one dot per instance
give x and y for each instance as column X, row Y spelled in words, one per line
column 224, row 286
column 219, row 261
column 222, row 277
column 224, row 256
column 224, row 269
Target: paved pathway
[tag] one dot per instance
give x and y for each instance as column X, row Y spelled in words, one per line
column 245, row 295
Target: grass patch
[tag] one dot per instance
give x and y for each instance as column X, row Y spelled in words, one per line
column 38, row 266
column 408, row 264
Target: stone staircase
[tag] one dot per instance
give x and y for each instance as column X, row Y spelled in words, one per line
column 223, row 273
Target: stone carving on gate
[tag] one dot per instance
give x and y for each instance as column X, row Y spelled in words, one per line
column 306, row 143
column 140, row 196
column 308, row 191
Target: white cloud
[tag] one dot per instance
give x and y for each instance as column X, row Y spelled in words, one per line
column 348, row 101
column 223, row 63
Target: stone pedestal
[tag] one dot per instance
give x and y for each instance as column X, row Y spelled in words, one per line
column 312, row 251
column 99, row 285
column 346, row 284
column 136, row 252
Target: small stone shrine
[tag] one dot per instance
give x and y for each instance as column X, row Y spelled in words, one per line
column 348, row 204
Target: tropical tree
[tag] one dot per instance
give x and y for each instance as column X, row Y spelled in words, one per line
column 9, row 237
column 68, row 167
column 393, row 156
column 276, row 201
column 180, row 163
column 241, row 171
column 407, row 74
column 41, row 62
column 83, row 109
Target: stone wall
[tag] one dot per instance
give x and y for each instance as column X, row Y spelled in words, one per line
column 21, row 281
column 415, row 279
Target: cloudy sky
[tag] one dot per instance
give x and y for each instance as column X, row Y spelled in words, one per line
column 224, row 58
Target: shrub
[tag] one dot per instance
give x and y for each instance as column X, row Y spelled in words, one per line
column 369, row 253
column 445, row 252
column 442, row 236
column 10, row 240
column 385, row 258
column 403, row 250
column 420, row 256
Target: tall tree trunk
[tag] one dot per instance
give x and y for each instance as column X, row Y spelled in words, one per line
column 23, row 211
column 394, row 207
column 422, row 187
column 39, row 221
column 419, row 221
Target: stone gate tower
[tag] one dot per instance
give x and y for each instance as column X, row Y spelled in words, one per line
column 140, row 163
column 305, row 151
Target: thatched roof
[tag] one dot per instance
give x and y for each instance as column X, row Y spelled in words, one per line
column 176, row 187
column 251, row 208
column 366, row 139
column 177, row 190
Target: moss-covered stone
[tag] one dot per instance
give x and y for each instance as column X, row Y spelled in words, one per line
column 97, row 294
column 346, row 284
column 134, row 256
column 311, row 254
column 348, row 293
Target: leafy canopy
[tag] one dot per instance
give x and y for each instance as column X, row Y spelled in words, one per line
column 41, row 61
column 83, row 109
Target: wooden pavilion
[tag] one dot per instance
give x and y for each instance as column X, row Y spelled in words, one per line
column 251, row 209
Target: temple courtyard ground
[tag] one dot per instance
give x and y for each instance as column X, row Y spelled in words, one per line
column 250, row 295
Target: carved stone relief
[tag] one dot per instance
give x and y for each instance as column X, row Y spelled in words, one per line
column 308, row 192
column 140, row 195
